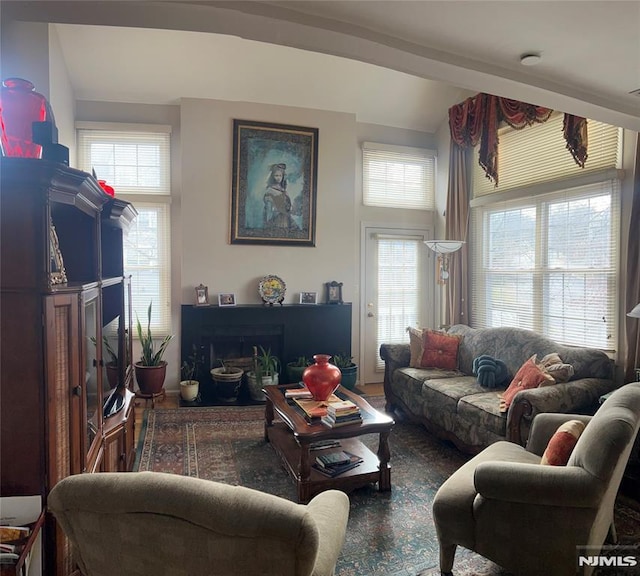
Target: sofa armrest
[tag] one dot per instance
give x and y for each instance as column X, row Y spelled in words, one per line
column 578, row 396
column 395, row 356
column 330, row 512
column 536, row 484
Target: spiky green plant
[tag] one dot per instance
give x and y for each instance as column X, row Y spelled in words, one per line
column 150, row 357
column 113, row 355
column 342, row 361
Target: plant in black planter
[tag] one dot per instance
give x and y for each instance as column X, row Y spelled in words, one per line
column 228, row 380
column 296, row 368
column 151, row 369
column 348, row 368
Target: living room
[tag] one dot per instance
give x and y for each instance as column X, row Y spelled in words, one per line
column 201, row 172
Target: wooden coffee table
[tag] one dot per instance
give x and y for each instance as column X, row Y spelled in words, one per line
column 291, row 439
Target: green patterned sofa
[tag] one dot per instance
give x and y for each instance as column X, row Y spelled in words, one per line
column 453, row 406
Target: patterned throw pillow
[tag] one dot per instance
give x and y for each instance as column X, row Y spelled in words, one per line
column 530, row 375
column 415, row 345
column 553, row 364
column 440, row 350
column 562, row 443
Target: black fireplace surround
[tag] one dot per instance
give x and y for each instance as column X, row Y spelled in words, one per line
column 290, row 331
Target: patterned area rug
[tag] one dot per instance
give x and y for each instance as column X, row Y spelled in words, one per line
column 389, row 534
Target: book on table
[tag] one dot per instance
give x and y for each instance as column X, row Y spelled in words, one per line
column 336, row 421
column 339, row 468
column 314, row 410
column 333, row 459
column 303, row 393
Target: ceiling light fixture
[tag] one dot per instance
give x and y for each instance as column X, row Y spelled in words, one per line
column 530, row 59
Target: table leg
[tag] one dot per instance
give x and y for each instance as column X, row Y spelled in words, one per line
column 304, row 473
column 384, row 455
column 268, row 418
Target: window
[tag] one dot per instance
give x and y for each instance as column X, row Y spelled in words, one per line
column 400, row 297
column 398, row 176
column 547, row 259
column 135, row 161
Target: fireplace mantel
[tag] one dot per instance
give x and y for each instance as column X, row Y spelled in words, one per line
column 290, row 330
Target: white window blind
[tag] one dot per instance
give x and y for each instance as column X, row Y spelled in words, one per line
column 549, row 263
column 538, row 154
column 398, row 176
column 135, row 161
column 399, row 301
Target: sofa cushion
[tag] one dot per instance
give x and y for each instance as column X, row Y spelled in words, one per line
column 440, row 350
column 561, row 444
column 530, row 375
column 483, row 410
column 415, row 346
column 440, row 398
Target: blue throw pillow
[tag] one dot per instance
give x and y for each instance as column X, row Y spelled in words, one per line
column 491, row 373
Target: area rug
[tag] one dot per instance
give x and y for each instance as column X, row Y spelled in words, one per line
column 389, row 534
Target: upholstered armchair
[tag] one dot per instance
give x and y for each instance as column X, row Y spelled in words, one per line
column 529, row 517
column 163, row 524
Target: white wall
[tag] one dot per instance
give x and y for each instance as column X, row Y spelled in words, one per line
column 201, row 199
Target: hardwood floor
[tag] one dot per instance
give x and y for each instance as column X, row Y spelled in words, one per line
column 172, row 400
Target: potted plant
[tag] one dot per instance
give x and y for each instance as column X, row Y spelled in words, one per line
column 266, row 368
column 348, row 368
column 228, row 380
column 151, row 369
column 112, row 364
column 189, row 386
column 296, row 368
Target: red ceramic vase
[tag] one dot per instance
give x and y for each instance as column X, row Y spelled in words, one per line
column 322, row 378
column 20, row 107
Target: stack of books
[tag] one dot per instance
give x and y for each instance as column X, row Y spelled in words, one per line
column 334, row 463
column 314, row 410
column 342, row 413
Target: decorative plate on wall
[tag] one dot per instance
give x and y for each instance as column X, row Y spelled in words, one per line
column 272, row 289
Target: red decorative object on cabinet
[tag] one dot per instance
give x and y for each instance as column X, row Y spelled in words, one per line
column 20, row 107
column 322, row 378
column 107, row 189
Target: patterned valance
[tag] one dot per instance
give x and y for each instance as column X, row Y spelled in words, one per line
column 476, row 120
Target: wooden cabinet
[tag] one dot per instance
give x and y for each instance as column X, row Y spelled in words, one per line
column 62, row 287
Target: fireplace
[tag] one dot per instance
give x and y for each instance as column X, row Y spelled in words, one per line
column 230, row 333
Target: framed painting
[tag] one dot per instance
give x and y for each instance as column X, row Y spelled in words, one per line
column 274, row 181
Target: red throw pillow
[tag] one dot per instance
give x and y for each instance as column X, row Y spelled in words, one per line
column 530, row 375
column 440, row 350
column 562, row 443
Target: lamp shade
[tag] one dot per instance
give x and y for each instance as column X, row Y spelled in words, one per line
column 635, row 313
column 444, row 246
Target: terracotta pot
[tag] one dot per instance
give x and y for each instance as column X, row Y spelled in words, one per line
column 322, row 378
column 150, row 378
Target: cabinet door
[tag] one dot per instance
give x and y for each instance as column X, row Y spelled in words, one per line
column 64, row 396
column 92, row 407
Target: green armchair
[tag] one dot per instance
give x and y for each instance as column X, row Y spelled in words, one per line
column 528, row 517
column 163, row 524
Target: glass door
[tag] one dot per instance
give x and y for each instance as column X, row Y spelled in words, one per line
column 92, row 337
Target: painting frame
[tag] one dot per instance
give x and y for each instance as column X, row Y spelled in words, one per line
column 274, row 184
column 334, row 292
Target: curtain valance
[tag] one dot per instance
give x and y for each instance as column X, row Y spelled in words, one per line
column 476, row 120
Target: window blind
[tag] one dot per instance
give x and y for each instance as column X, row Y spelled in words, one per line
column 398, row 176
column 549, row 263
column 538, row 154
column 135, row 160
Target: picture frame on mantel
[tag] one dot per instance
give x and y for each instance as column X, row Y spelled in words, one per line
column 274, row 184
column 334, row 292
column 202, row 295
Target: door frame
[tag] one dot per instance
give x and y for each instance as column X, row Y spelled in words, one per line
column 412, row 229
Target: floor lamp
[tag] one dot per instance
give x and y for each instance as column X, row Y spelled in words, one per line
column 443, row 248
column 635, row 313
